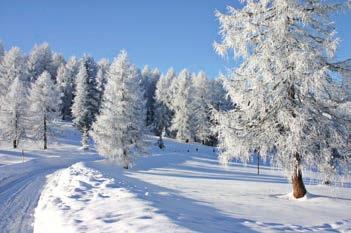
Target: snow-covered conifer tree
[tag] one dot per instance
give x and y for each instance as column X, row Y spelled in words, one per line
column 288, row 104
column 66, row 81
column 101, row 77
column 118, row 130
column 201, row 105
column 44, row 102
column 11, row 67
column 56, row 61
column 149, row 81
column 182, row 121
column 12, row 112
column 39, row 60
column 2, row 51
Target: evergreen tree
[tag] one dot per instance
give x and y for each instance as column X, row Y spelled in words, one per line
column 118, row 130
column 39, row 60
column 12, row 112
column 149, row 81
column 101, row 77
column 287, row 102
column 11, row 67
column 56, row 61
column 44, row 107
column 182, row 121
column 201, row 106
column 2, row 50
column 66, row 82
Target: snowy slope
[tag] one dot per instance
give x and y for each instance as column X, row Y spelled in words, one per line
column 21, row 183
column 180, row 191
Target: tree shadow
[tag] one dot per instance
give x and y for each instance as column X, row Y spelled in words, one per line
column 186, row 212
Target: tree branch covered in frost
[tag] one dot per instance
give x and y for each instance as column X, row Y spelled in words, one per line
column 119, row 129
column 287, row 100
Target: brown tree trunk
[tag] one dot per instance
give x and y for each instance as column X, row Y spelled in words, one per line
column 126, row 163
column 14, row 144
column 45, row 135
column 298, row 186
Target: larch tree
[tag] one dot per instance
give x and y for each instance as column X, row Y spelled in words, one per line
column 12, row 66
column 101, row 78
column 66, row 75
column 56, row 61
column 149, row 81
column 2, row 50
column 13, row 111
column 201, row 105
column 183, row 120
column 118, row 130
column 39, row 60
column 86, row 101
column 44, row 102
column 289, row 105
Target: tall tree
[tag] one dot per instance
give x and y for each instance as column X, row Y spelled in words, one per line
column 118, row 130
column 12, row 112
column 101, row 77
column 56, row 61
column 86, row 100
column 288, row 104
column 66, row 82
column 2, row 50
column 39, row 60
column 149, row 81
column 182, row 121
column 11, row 67
column 44, row 102
column 201, row 104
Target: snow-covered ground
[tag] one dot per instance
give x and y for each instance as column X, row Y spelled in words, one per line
column 169, row 191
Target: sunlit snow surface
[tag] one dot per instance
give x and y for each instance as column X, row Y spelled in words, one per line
column 169, row 191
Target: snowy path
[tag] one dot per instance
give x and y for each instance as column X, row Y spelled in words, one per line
column 22, row 183
column 180, row 191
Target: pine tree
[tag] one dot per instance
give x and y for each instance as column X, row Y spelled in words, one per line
column 182, row 121
column 39, row 60
column 12, row 112
column 66, row 82
column 44, row 107
column 118, row 130
column 288, row 104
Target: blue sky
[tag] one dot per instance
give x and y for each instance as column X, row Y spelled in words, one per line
column 160, row 33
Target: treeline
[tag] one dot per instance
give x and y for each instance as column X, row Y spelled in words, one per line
column 42, row 86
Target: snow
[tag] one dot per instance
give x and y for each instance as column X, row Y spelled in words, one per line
column 66, row 189
column 174, row 190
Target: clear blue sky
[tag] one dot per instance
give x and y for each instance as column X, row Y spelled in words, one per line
column 160, row 33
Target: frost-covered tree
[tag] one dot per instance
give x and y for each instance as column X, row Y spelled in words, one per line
column 101, row 77
column 201, row 106
column 12, row 112
column 2, row 50
column 39, row 60
column 56, row 61
column 182, row 121
column 86, row 100
column 163, row 101
column 66, row 82
column 118, row 130
column 12, row 66
column 44, row 102
column 288, row 103
column 149, row 81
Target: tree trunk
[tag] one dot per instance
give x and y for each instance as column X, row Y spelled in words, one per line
column 125, row 159
column 85, row 145
column 258, row 163
column 14, row 144
column 298, row 186
column 45, row 134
